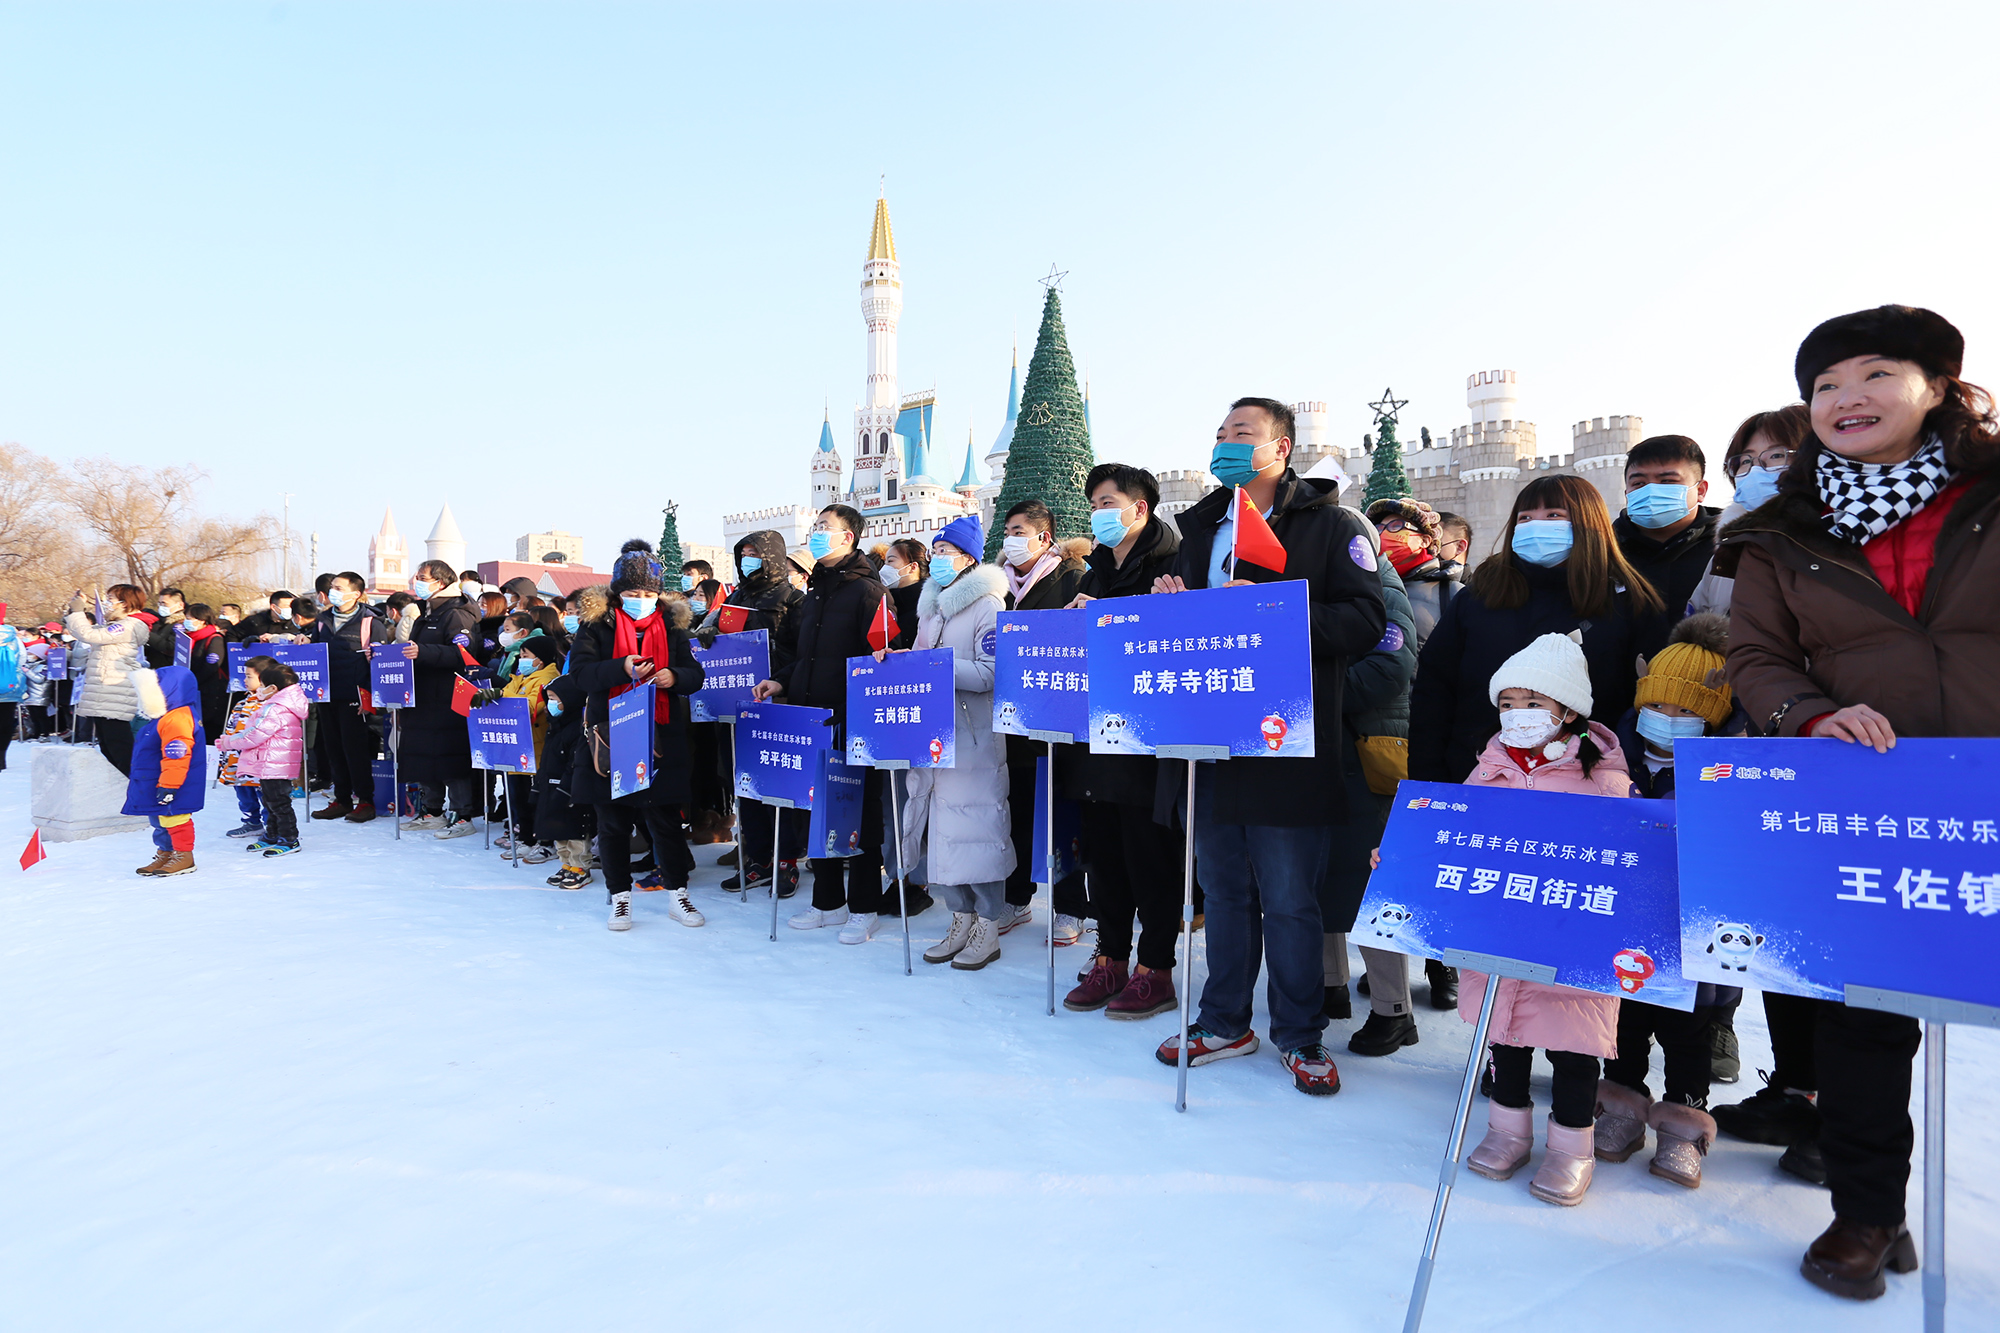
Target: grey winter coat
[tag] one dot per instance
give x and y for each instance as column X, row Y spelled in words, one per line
column 116, row 651
column 963, row 809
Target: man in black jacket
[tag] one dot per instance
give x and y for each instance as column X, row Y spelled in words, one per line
column 829, row 626
column 160, row 642
column 435, row 751
column 348, row 627
column 273, row 619
column 1666, row 531
column 1264, row 828
column 763, row 599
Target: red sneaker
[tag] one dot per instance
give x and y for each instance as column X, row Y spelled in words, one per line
column 1204, row 1046
column 1100, row 985
column 1147, row 994
column 1313, row 1071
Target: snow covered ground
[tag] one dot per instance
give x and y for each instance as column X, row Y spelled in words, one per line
column 406, row 1086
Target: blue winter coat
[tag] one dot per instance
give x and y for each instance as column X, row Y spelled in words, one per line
column 169, row 748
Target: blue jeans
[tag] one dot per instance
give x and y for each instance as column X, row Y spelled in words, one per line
column 1262, row 906
column 250, row 803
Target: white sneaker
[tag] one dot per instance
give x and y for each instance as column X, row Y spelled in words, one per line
column 682, row 909
column 424, row 823
column 1021, row 916
column 982, row 948
column 455, row 828
column 948, row 948
column 535, row 856
column 812, row 918
column 1069, row 929
column 503, row 843
column 859, row 927
column 621, row 910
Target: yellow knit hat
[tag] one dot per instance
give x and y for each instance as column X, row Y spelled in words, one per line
column 1689, row 671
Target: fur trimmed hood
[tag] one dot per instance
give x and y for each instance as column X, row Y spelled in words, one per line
column 975, row 583
column 165, row 689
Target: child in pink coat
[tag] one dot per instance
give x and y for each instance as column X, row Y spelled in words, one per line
column 269, row 752
column 1546, row 743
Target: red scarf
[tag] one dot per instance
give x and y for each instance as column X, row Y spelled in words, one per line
column 627, row 636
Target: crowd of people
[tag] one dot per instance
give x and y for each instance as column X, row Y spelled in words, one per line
column 1838, row 595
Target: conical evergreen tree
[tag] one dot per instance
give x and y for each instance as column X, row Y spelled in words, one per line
column 1386, row 480
column 1050, row 455
column 670, row 555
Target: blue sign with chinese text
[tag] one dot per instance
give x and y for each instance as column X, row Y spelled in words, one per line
column 903, row 708
column 503, row 736
column 1214, row 666
column 58, row 661
column 309, row 660
column 392, row 677
column 1040, row 676
column 1815, row 863
column 733, row 666
column 777, row 751
column 1069, row 830
column 631, row 742
column 835, row 828
column 1583, row 884
column 183, row 647
column 238, row 654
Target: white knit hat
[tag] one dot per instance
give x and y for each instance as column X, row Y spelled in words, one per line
column 1552, row 665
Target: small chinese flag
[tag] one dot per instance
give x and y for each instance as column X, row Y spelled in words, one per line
column 1255, row 541
column 461, row 696
column 33, row 851
column 470, row 660
column 367, row 701
column 731, row 619
column 882, row 630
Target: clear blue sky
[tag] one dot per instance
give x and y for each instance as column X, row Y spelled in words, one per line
column 557, row 264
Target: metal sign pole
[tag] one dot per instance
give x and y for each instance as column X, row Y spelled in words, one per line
column 777, row 836
column 1192, row 754
column 736, row 812
column 1049, row 738
column 903, row 877
column 485, row 807
column 1494, row 968
column 395, row 772
column 514, row 843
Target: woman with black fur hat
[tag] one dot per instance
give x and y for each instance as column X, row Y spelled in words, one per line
column 622, row 641
column 1863, row 610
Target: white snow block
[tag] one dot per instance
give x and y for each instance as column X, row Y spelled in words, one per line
column 77, row 794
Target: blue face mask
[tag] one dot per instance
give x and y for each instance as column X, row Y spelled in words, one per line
column 751, row 564
column 1663, row 731
column 1106, row 526
column 1544, row 541
column 944, row 572
column 1757, row 486
column 570, row 623
column 1658, row 505
column 1234, row 462
column 699, row 605
column 820, row 544
column 687, row 583
column 637, row 607
column 553, row 704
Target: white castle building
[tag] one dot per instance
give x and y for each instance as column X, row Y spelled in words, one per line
column 892, row 483
column 388, row 558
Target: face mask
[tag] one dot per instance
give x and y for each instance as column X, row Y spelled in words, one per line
column 699, row 605
column 1757, row 486
column 192, row 624
column 1657, row 505
column 892, row 575
column 421, row 589
column 751, row 564
column 1405, row 549
column 1544, row 541
column 471, row 589
column 570, row 623
column 508, row 640
column 687, row 583
column 1527, row 728
column 944, row 572
column 637, row 607
column 1234, row 462
column 1663, row 731
column 553, row 704
column 1017, row 550
column 343, row 598
column 820, row 544
column 1109, row 526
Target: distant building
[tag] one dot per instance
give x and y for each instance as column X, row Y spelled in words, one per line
column 446, row 543
column 388, row 559
column 547, row 548
column 551, row 580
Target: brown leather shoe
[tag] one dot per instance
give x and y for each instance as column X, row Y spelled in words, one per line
column 334, row 809
column 177, row 863
column 153, row 866
column 1848, row 1258
column 361, row 814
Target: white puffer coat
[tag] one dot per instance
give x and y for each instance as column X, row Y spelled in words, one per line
column 963, row 809
column 116, row 651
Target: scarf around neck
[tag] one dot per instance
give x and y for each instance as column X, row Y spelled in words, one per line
column 1018, row 583
column 1867, row 499
column 645, row 638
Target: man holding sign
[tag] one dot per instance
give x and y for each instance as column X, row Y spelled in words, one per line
column 1264, row 827
column 347, row 627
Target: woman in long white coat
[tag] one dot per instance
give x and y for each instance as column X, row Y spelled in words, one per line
column 960, row 813
column 117, row 649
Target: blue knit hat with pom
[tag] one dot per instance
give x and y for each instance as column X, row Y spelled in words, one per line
column 966, row 534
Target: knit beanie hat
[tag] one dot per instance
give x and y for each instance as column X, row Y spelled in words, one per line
column 1906, row 333
column 635, row 569
column 1552, row 665
column 1688, row 672
column 966, row 534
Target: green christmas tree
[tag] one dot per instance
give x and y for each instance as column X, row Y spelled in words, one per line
column 671, row 559
column 1386, row 480
column 1051, row 454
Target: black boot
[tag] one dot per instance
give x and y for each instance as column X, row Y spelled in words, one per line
column 1444, row 984
column 1802, row 1159
column 1725, row 1065
column 1336, row 1003
column 1383, row 1034
column 1361, row 985
column 1771, row 1116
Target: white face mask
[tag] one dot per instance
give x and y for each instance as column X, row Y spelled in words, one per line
column 892, row 575
column 508, row 638
column 471, row 589
column 1018, row 550
column 1527, row 728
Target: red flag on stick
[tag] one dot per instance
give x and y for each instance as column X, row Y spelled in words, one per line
column 367, row 700
column 33, row 851
column 731, row 619
column 1255, row 541
column 470, row 660
column 882, row 630
column 461, row 696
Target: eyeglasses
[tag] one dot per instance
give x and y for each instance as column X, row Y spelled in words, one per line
column 1739, row 466
column 1393, row 525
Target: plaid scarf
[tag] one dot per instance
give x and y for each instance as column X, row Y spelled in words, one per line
column 1868, row 499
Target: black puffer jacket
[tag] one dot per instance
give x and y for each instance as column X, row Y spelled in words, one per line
column 596, row 667
column 767, row 596
column 346, row 658
column 1347, row 617
column 1675, row 566
column 1122, row 779
column 1055, row 590
column 435, row 746
column 556, row 815
column 830, row 626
